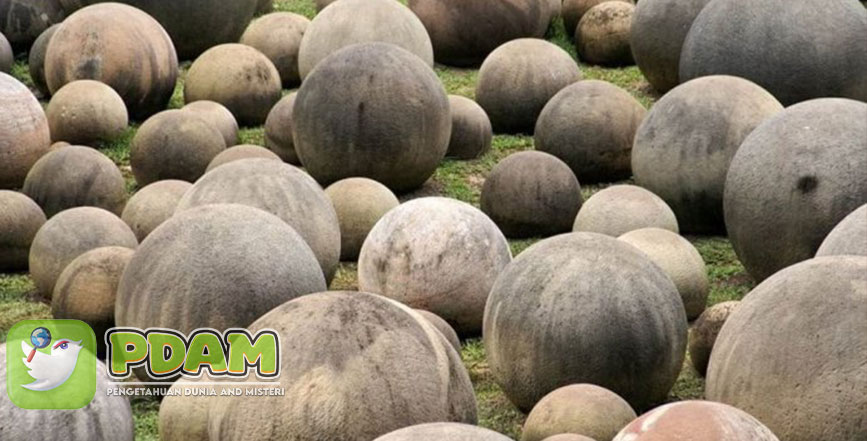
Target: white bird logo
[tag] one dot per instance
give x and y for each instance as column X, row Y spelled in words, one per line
column 51, row 370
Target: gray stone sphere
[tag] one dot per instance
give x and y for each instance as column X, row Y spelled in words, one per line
column 75, row 176
column 534, row 70
column 386, row 91
column 360, row 203
column 85, row 111
column 22, row 21
column 149, row 207
column 583, row 409
column 814, row 51
column 849, row 237
column 20, row 219
column 471, row 129
column 602, row 35
column 7, row 58
column 683, row 149
column 217, row 115
column 24, row 133
column 70, row 234
column 278, row 36
column 36, row 60
column 568, row 437
column 704, row 332
column 443, row 327
column 778, row 359
column 695, row 421
column 243, row 151
column 584, row 308
column 793, row 179
column 591, row 126
column 437, row 254
column 279, row 132
column 573, row 10
column 443, row 432
column 531, row 194
column 619, row 209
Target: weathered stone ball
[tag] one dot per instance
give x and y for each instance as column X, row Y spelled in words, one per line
column 794, row 178
column 777, row 357
column 584, row 308
column 443, row 327
column 75, row 176
column 443, row 432
column 278, row 36
column 217, row 115
column 360, row 203
column 243, row 151
column 7, row 58
column 814, row 52
column 85, row 111
column 174, row 144
column 573, row 10
column 24, row 133
column 849, row 237
column 683, row 148
column 280, row 189
column 619, row 209
column 471, row 129
column 149, row 207
column 437, row 254
column 695, row 421
column 21, row 21
column 531, row 194
column 126, row 49
column 20, row 219
column 568, row 437
column 602, row 35
column 534, row 70
column 279, row 132
column 582, row 409
column 385, row 143
column 704, row 332
column 36, row 59
column 59, row 145
column 591, row 125
column 70, row 234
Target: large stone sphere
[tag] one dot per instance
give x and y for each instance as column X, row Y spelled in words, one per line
column 70, row 234
column 533, row 70
column 36, row 60
column 20, row 219
column 125, row 49
column 280, row 189
column 848, row 237
column 217, row 115
column 437, row 254
column 384, row 91
column 279, row 132
column 471, row 129
column 357, row 366
column 531, row 194
column 573, row 10
column 796, row 49
column 792, row 180
column 591, row 125
column 278, row 36
column 704, row 332
column 683, row 149
column 602, row 35
column 22, row 21
column 443, row 432
column 584, row 308
column 778, row 359
column 85, row 111
column 620, row 209
column 695, row 421
column 7, row 58
column 24, row 133
column 360, row 203
column 238, row 77
column 149, row 207
column 239, row 152
column 75, row 176
column 443, row 327
column 583, row 409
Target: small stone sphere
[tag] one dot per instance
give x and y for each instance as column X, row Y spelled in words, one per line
column 24, row 133
column 126, row 49
column 279, row 135
column 22, row 21
column 386, row 91
column 437, row 254
column 443, row 327
column 534, row 70
column 619, row 209
column 362, row 21
column 568, row 437
column 591, row 125
column 778, row 357
column 794, row 178
column 154, row 204
column 849, row 237
column 237, row 76
column 59, row 145
column 602, row 35
column 360, row 203
column 217, row 115
column 20, row 219
column 704, row 332
column 696, row 421
column 584, row 308
column 36, row 60
column 582, row 409
column 243, row 151
column 683, row 148
column 85, row 111
column 471, row 129
column 573, row 10
column 174, row 144
column 443, row 432
column 530, row 194
column 7, row 58
column 75, row 176
column 278, row 36
column 70, row 234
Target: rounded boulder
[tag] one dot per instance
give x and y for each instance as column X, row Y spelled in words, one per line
column 239, row 152
column 360, row 203
column 443, row 327
column 581, row 409
column 278, row 37
column 279, row 132
column 217, row 115
column 848, row 237
column 24, row 133
column 602, row 35
column 704, row 332
column 695, row 421
column 7, row 58
column 149, row 207
column 85, row 111
column 619, row 209
column 443, row 432
column 36, row 60
column 22, row 21
column 20, row 219
column 471, row 129
column 573, row 10
column 568, row 437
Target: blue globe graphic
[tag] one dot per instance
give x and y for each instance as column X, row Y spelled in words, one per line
column 40, row 337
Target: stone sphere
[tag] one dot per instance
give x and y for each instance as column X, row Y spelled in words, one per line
column 471, row 129
column 602, row 35
column 386, row 90
column 793, row 179
column 7, row 58
column 355, row 348
column 24, row 133
column 70, row 234
column 217, row 115
column 619, row 209
column 280, row 189
column 75, row 176
column 591, row 125
column 568, row 437
column 237, row 76
column 778, row 359
column 243, row 151
column 584, row 308
column 265, row 6
column 359, row 203
column 582, row 409
column 696, row 421
column 278, row 36
column 443, row 327
column 22, row 21
column 154, row 204
column 36, row 60
column 534, row 70
column 848, row 237
column 20, row 219
column 85, row 111
column 279, row 133
column 573, row 10
column 705, row 331
column 126, row 49
column 531, row 194
column 174, row 144
column 683, row 149
column 443, row 432
column 814, row 51
column 437, row 254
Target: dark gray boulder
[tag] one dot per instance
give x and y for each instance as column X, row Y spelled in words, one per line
column 36, row 59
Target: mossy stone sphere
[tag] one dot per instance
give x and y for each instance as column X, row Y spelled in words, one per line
column 85, row 111
column 582, row 409
column 278, row 36
column 602, row 35
column 36, row 60
column 695, row 421
column 7, row 58
column 279, row 132
column 704, row 332
column 24, row 133
column 360, row 203
column 20, row 219
column 443, row 432
column 217, row 115
column 239, row 152
column 471, row 129
column 849, row 237
column 149, row 207
column 443, row 327
column 22, row 21
column 619, row 209
column 573, row 10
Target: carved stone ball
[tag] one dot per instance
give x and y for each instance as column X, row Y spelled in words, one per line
column 471, row 129
column 360, row 203
column 279, row 132
column 704, row 332
column 36, row 59
column 443, row 327
column 149, row 207
column 20, row 219
column 443, row 432
column 619, row 209
column 217, row 115
column 243, row 151
column 695, row 421
column 278, row 36
column 573, row 10
column 582, row 409
column 24, row 133
column 85, row 111
column 848, row 237
column 7, row 58
column 602, row 35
